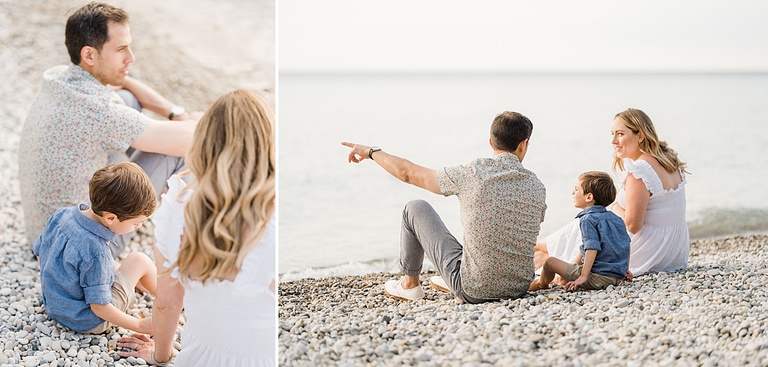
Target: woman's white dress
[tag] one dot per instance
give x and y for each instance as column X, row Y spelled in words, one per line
column 663, row 244
column 229, row 323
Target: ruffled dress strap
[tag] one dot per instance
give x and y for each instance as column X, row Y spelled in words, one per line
column 644, row 171
column 259, row 266
column 169, row 221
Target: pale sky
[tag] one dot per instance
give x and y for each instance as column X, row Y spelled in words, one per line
column 519, row 36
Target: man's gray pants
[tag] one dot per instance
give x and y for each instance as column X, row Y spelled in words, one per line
column 423, row 232
column 158, row 167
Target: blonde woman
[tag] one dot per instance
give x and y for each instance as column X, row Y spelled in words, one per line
column 651, row 200
column 215, row 251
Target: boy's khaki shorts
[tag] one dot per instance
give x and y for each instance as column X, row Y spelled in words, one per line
column 594, row 281
column 122, row 298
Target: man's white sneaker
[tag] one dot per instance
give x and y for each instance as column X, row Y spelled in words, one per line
column 438, row 283
column 394, row 288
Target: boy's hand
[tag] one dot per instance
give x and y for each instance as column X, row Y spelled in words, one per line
column 571, row 286
column 145, row 326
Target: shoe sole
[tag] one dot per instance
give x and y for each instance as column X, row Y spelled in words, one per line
column 397, row 297
column 401, row 298
column 438, row 287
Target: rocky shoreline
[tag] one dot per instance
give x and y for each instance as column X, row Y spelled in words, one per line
column 32, row 39
column 710, row 314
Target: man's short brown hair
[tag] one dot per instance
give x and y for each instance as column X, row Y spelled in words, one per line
column 509, row 129
column 600, row 185
column 89, row 26
column 123, row 189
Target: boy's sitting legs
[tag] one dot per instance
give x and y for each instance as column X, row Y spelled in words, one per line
column 122, row 298
column 569, row 272
column 136, row 271
column 141, row 271
column 594, row 281
column 552, row 266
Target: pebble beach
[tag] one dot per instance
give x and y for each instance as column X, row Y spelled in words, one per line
column 32, row 39
column 713, row 313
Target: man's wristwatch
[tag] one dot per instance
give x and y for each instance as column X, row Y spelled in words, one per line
column 373, row 149
column 176, row 111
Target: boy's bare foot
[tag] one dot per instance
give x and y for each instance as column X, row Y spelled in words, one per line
column 559, row 281
column 535, row 286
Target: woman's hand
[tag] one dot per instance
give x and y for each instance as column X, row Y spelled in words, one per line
column 136, row 345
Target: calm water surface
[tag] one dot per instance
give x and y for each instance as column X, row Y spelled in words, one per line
column 339, row 218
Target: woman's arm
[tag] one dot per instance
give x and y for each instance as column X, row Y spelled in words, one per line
column 618, row 210
column 169, row 301
column 637, row 203
column 166, row 309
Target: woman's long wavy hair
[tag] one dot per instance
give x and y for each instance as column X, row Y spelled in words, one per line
column 638, row 122
column 233, row 162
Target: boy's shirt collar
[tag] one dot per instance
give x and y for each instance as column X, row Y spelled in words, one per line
column 591, row 210
column 91, row 225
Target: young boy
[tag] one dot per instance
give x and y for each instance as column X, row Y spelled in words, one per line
column 605, row 242
column 81, row 288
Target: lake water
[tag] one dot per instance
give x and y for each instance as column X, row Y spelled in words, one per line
column 338, row 218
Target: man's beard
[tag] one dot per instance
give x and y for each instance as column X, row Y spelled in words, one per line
column 107, row 77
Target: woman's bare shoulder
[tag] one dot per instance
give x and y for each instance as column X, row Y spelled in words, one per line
column 650, row 160
column 669, row 180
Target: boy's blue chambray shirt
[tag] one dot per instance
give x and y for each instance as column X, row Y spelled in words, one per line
column 76, row 267
column 605, row 232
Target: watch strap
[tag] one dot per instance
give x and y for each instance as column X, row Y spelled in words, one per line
column 372, row 150
column 176, row 111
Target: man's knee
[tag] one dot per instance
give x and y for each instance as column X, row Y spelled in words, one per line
column 417, row 206
column 129, row 98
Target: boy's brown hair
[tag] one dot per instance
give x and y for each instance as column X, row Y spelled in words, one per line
column 123, row 189
column 600, row 185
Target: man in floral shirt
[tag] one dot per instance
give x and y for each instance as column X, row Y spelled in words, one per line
column 78, row 122
column 502, row 207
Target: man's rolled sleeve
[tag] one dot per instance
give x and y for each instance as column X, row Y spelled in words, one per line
column 452, row 179
column 121, row 126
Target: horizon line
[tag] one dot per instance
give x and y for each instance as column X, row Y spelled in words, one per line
column 519, row 72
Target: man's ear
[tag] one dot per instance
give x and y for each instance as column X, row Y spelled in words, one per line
column 87, row 55
column 523, row 146
column 109, row 218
